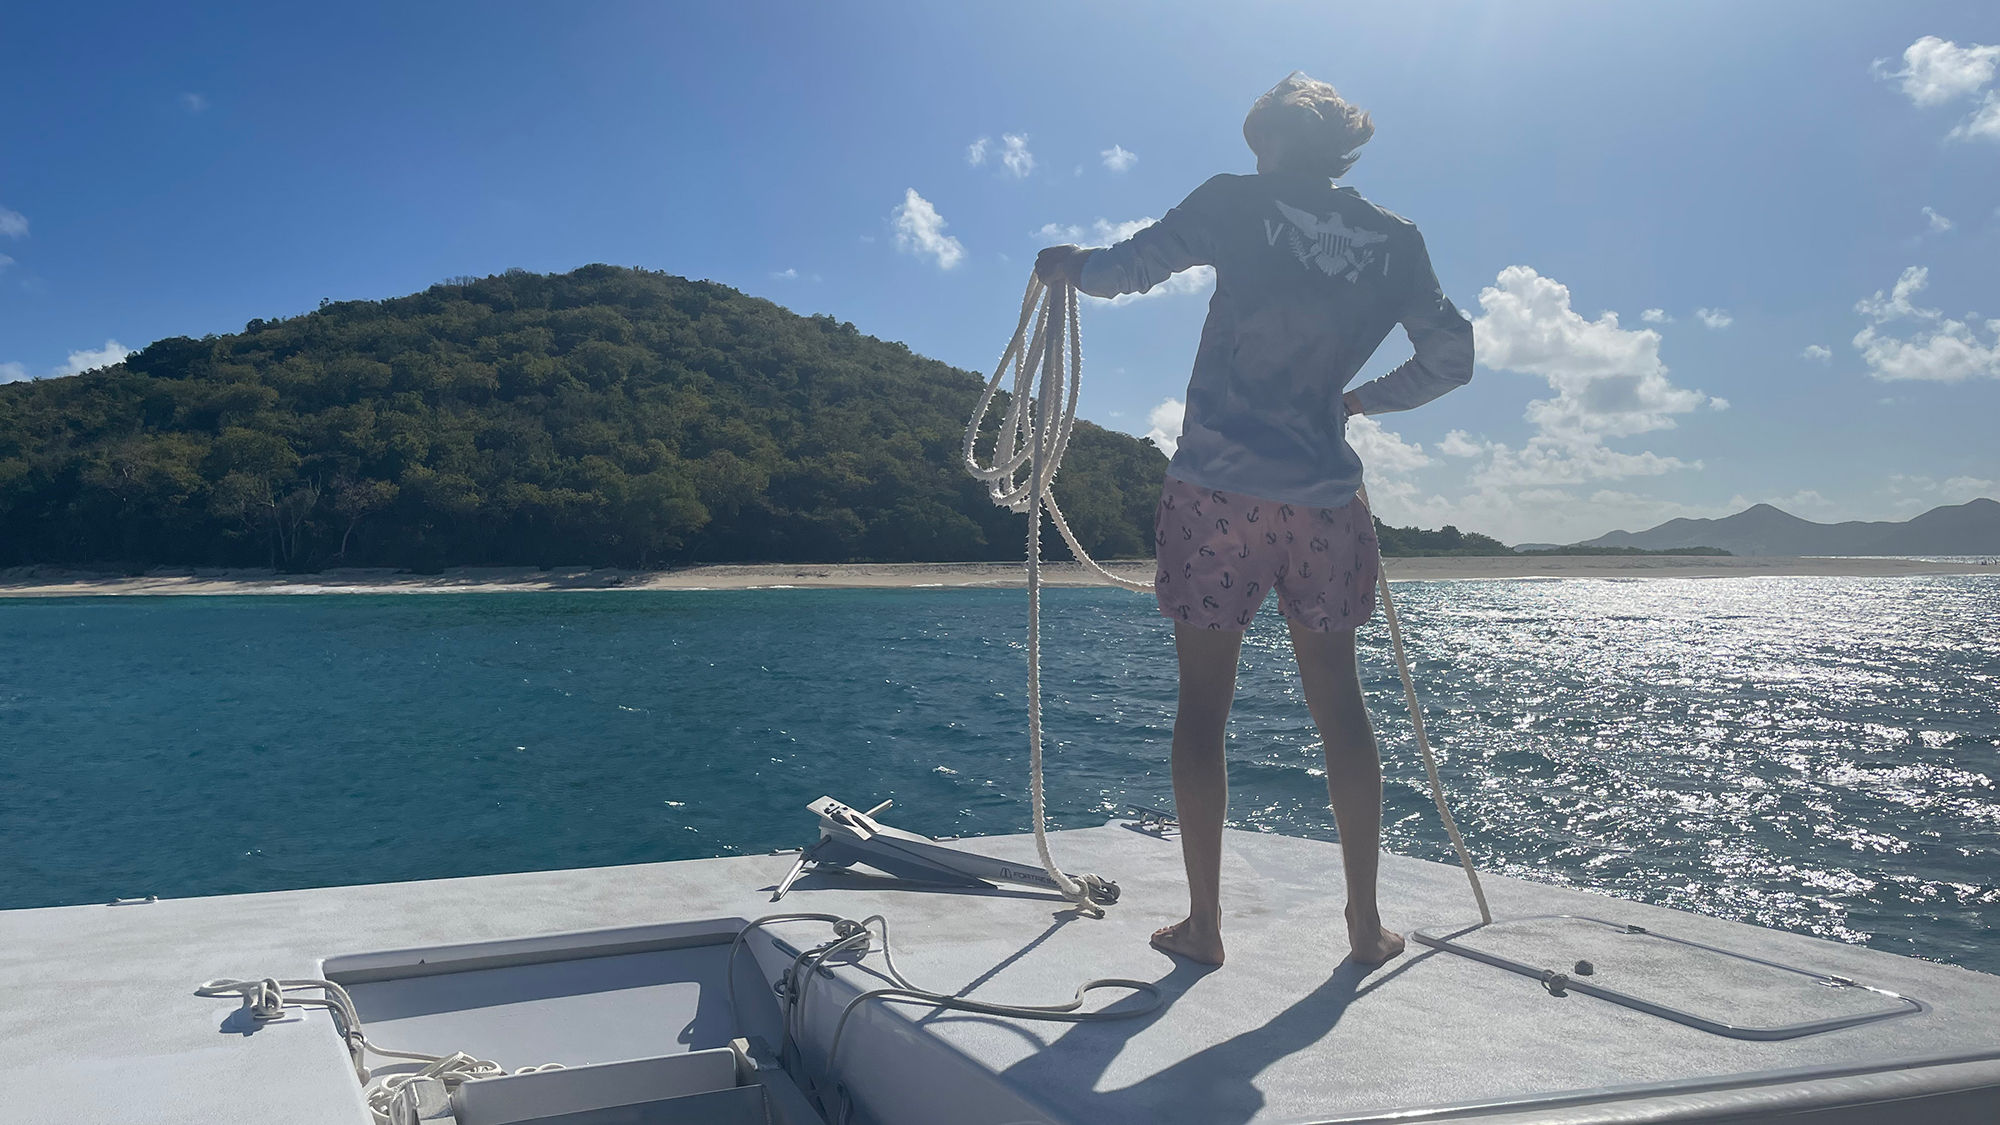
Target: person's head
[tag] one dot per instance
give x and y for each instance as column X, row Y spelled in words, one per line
column 1304, row 126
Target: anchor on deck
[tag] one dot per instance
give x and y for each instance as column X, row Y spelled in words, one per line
column 849, row 836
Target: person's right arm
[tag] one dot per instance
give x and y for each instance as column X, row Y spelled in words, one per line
column 1179, row 240
column 1441, row 338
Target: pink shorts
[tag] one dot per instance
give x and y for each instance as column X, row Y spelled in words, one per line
column 1220, row 553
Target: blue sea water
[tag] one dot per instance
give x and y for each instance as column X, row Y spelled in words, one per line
column 1817, row 754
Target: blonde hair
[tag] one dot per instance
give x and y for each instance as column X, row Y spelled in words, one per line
column 1304, row 125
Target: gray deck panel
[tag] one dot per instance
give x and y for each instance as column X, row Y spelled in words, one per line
column 1287, row 1033
column 98, row 1023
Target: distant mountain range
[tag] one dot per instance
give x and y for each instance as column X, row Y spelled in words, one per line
column 1971, row 528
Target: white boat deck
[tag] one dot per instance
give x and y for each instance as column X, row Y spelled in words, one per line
column 98, row 1022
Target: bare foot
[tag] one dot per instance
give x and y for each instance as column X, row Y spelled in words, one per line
column 1182, row 939
column 1372, row 943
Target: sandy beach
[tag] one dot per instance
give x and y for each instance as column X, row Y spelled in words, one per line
column 50, row 582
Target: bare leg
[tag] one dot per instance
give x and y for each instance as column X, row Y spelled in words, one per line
column 1201, row 784
column 1353, row 779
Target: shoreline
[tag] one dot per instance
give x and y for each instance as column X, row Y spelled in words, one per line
column 31, row 582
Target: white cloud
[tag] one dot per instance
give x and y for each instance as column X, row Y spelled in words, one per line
column 1938, row 223
column 1936, row 71
column 786, row 275
column 1897, row 303
column 1015, row 155
column 1165, row 420
column 193, row 103
column 13, row 224
column 84, row 359
column 1984, row 124
column 1608, row 380
column 1118, row 158
column 1715, row 318
column 1911, row 494
column 1458, row 443
column 1382, row 450
column 1937, row 349
column 1656, row 316
column 1717, row 403
column 1804, row 500
column 920, row 231
column 1949, row 354
column 1817, row 351
column 5, row 261
column 89, row 359
column 1545, row 462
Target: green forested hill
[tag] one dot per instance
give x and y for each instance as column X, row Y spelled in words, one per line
column 606, row 416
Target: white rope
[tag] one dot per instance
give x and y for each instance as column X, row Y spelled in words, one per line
column 1030, row 449
column 1423, row 740
column 268, row 998
column 1026, row 455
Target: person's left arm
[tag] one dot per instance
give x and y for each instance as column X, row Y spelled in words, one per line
column 1440, row 336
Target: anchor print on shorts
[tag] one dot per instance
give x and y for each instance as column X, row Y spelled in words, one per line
column 1233, row 551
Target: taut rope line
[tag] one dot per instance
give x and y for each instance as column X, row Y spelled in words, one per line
column 1423, row 740
column 1026, row 455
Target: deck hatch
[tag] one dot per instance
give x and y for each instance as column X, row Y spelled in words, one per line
column 1702, row 986
column 578, row 998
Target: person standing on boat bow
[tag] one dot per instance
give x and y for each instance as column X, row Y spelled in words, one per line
column 1261, row 495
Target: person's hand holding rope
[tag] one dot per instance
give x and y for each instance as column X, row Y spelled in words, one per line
column 1061, row 263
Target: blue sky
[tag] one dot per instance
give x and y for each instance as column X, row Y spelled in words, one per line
column 1815, row 176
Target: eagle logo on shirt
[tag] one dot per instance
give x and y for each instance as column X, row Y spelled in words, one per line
column 1328, row 244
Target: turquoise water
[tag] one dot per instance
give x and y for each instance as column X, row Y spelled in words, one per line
column 1814, row 754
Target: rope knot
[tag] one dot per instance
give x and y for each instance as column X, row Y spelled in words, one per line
column 265, row 999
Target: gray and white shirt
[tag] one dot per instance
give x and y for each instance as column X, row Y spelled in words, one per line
column 1309, row 279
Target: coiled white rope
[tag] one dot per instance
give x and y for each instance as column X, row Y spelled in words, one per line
column 1022, row 477
column 267, row 999
column 1028, row 451
column 1423, row 739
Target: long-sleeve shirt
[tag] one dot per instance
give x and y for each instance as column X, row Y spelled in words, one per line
column 1309, row 279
